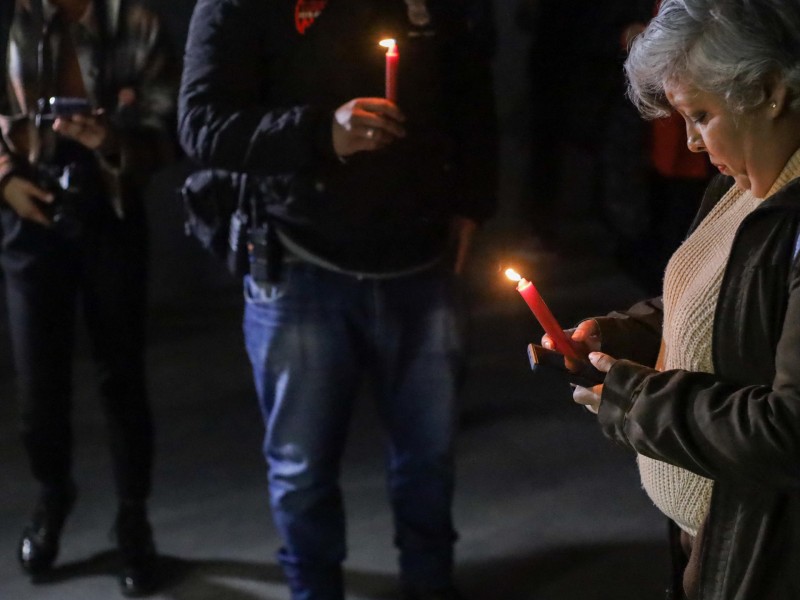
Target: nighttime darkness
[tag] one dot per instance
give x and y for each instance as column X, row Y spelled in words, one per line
column 181, row 441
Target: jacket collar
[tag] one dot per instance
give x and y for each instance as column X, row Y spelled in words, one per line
column 787, row 196
column 112, row 11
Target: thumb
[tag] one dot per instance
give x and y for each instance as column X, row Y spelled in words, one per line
column 602, row 362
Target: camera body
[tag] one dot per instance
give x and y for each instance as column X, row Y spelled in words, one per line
column 65, row 184
column 50, row 109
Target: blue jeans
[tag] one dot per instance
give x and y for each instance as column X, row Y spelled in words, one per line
column 312, row 340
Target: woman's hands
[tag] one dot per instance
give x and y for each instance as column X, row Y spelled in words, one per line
column 586, row 337
column 590, row 397
column 366, row 124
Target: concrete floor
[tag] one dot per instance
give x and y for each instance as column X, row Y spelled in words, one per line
column 546, row 507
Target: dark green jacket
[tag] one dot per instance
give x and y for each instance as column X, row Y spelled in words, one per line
column 739, row 426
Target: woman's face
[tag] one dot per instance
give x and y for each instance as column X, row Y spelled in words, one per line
column 731, row 140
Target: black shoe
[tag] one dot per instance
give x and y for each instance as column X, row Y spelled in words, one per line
column 38, row 546
column 447, row 593
column 138, row 573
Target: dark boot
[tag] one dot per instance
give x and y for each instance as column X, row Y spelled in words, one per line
column 134, row 535
column 40, row 540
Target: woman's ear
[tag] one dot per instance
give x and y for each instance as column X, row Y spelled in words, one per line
column 776, row 94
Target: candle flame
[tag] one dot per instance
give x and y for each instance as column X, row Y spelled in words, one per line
column 513, row 275
column 388, row 43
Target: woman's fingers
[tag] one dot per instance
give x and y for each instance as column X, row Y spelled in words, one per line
column 602, row 362
column 588, row 397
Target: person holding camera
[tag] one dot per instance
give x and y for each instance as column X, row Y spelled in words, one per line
column 85, row 122
column 372, row 203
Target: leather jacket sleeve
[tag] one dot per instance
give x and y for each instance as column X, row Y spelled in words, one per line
column 634, row 334
column 145, row 127
column 6, row 163
column 747, row 435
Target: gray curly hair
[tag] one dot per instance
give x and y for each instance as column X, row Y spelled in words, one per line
column 733, row 49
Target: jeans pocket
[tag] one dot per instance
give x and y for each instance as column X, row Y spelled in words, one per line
column 264, row 293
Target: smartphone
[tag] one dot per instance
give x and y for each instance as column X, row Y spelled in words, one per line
column 542, row 358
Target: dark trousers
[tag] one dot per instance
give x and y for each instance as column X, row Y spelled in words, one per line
column 48, row 278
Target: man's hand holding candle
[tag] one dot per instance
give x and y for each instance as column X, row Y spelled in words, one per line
column 366, row 124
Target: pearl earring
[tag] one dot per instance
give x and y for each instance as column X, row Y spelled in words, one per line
column 774, row 105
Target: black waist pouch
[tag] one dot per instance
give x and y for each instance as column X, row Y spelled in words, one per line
column 221, row 211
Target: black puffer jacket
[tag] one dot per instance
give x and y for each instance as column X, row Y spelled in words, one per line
column 739, row 426
column 261, row 83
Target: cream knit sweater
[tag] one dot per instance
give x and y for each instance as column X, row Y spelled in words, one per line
column 691, row 286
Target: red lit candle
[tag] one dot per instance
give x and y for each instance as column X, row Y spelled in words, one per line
column 546, row 319
column 392, row 62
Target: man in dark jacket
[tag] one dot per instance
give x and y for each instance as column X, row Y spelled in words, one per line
column 369, row 206
column 83, row 126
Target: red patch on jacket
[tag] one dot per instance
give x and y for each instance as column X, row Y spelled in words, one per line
column 306, row 12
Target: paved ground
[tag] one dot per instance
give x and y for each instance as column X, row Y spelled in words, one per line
column 546, row 507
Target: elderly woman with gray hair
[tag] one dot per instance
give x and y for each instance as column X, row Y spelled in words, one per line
column 704, row 383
